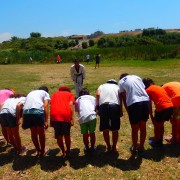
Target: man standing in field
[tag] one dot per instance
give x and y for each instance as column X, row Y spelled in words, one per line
column 77, row 72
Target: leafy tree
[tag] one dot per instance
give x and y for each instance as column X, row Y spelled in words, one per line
column 96, row 34
column 91, row 42
column 84, row 45
column 72, row 43
column 35, row 35
column 65, row 44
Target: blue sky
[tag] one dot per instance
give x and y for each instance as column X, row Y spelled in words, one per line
column 67, row 17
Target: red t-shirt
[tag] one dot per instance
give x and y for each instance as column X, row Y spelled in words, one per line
column 60, row 106
column 159, row 96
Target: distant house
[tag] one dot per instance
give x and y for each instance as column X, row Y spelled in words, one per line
column 137, row 30
column 79, row 37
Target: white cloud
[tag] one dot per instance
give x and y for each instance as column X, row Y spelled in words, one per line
column 5, row 36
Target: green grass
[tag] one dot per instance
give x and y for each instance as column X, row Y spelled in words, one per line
column 154, row 164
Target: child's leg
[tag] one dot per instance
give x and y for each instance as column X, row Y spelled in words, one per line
column 176, row 130
column 34, row 137
column 68, row 143
column 159, row 130
column 10, row 136
column 107, row 139
column 92, row 139
column 86, row 140
column 17, row 139
column 42, row 139
column 61, row 144
column 5, row 134
column 142, row 134
column 134, row 135
column 115, row 136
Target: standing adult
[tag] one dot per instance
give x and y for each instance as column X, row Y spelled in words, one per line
column 58, row 59
column 35, row 117
column 108, row 107
column 163, row 110
column 31, row 60
column 136, row 102
column 88, row 58
column 173, row 91
column 77, row 72
column 97, row 59
column 62, row 117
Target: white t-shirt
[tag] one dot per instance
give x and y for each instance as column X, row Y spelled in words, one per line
column 10, row 104
column 134, row 88
column 109, row 93
column 85, row 106
column 35, row 99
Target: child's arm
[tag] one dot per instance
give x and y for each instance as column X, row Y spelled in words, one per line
column 73, row 112
column 18, row 112
column 46, row 103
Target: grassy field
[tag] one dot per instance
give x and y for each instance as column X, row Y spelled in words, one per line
column 154, row 164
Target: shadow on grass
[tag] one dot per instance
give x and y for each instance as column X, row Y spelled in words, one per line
column 100, row 158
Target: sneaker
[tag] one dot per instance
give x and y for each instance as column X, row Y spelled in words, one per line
column 45, row 153
column 133, row 152
column 24, row 149
column 93, row 149
column 155, row 144
column 86, row 150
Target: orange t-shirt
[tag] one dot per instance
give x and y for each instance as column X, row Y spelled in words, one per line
column 159, row 96
column 173, row 91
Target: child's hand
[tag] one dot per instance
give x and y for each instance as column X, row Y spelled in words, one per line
column 45, row 125
column 72, row 122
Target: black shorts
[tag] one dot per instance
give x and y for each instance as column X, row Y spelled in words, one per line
column 8, row 120
column 138, row 112
column 61, row 128
column 33, row 120
column 109, row 117
column 163, row 115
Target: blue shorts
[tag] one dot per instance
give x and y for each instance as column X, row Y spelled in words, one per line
column 138, row 112
column 163, row 115
column 33, row 120
column 109, row 117
column 61, row 128
column 8, row 120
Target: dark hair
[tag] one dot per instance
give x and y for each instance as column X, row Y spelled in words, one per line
column 17, row 95
column 76, row 60
column 84, row 91
column 147, row 82
column 44, row 88
column 64, row 88
column 123, row 75
column 112, row 81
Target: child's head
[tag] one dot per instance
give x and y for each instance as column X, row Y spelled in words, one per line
column 44, row 88
column 123, row 75
column 84, row 91
column 148, row 82
column 112, row 81
column 64, row 88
